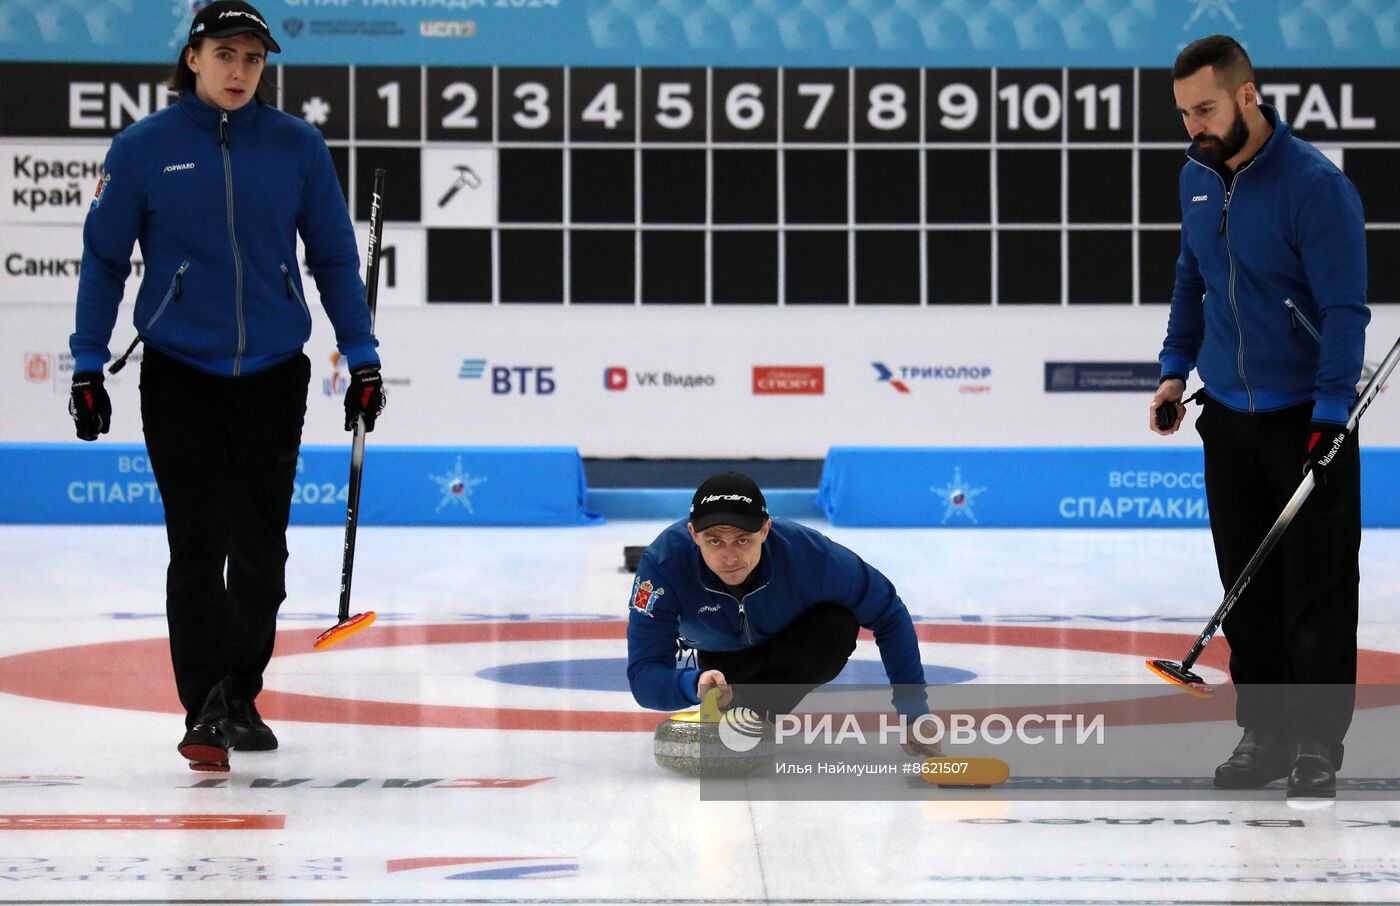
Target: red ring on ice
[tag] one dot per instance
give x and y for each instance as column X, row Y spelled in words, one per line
column 133, row 675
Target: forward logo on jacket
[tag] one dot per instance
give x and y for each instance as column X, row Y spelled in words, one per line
column 644, row 596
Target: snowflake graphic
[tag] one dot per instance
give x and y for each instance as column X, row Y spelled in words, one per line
column 315, row 111
column 957, row 498
column 456, row 487
column 1213, row 9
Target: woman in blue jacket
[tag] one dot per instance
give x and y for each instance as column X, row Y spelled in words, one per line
column 216, row 189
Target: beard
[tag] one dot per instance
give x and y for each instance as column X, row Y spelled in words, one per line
column 1218, row 149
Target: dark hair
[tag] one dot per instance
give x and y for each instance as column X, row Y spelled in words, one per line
column 182, row 78
column 1221, row 52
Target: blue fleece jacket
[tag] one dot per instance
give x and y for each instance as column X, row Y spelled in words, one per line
column 677, row 596
column 216, row 201
column 1290, row 228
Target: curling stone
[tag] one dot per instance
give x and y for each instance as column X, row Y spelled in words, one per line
column 714, row 743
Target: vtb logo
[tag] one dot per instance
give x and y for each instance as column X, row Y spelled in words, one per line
column 615, row 378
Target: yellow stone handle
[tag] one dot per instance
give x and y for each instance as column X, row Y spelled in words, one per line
column 709, row 708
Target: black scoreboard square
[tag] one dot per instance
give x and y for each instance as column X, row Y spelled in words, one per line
column 745, row 186
column 814, row 186
column 816, row 267
column 602, row 105
column 532, row 265
column 1100, row 105
column 1383, row 264
column 602, row 185
column 603, row 266
column 1100, row 186
column 459, row 104
column 887, row 267
column 459, row 265
column 1159, row 185
column 1030, row 105
column 958, row 105
column 887, row 105
column 402, row 183
column 530, row 105
column 388, row 101
column 531, row 185
column 887, row 186
column 1157, row 254
column 959, row 186
column 1372, row 171
column 1028, row 267
column 1100, row 267
column 816, row 105
column 673, row 185
column 1028, row 186
column 745, row 267
column 673, row 267
column 674, row 107
column 321, row 96
column 1158, row 120
column 959, row 267
column 746, row 105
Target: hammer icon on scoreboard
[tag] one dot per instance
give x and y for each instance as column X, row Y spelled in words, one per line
column 466, row 176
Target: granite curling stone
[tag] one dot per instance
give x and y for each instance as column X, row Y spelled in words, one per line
column 714, row 743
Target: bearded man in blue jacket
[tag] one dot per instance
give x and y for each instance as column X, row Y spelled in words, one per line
column 771, row 605
column 1270, row 307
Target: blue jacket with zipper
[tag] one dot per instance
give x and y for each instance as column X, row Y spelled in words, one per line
column 216, row 201
column 676, row 596
column 1290, row 228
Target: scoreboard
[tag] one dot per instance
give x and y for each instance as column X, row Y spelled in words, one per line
column 759, row 186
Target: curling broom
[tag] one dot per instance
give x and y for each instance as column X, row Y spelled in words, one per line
column 347, row 625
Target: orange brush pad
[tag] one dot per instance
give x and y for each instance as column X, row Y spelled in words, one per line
column 1199, row 690
column 342, row 631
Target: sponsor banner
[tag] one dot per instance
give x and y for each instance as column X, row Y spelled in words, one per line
column 141, row 822
column 1046, row 488
column 114, row 484
column 623, row 381
column 789, row 380
column 1102, row 377
column 541, row 32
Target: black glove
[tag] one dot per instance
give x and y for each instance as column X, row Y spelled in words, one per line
column 364, row 398
column 90, row 405
column 1325, row 443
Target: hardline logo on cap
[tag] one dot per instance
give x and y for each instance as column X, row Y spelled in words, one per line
column 714, row 497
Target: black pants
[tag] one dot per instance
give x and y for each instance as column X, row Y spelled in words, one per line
column 224, row 452
column 780, row 672
column 1296, row 621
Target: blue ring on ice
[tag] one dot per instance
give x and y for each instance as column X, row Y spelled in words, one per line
column 609, row 674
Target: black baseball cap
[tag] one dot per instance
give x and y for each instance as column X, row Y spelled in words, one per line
column 728, row 499
column 224, row 18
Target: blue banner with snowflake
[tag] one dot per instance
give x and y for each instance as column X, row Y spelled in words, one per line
column 1106, row 487
column 108, row 484
column 912, row 33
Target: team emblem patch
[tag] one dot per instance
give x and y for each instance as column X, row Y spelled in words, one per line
column 101, row 185
column 644, row 596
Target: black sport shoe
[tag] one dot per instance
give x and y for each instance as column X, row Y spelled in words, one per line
column 1313, row 776
column 1262, row 756
column 246, row 730
column 204, row 744
column 205, row 748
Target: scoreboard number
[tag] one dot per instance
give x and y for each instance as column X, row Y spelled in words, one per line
column 673, row 107
column 959, row 105
column 743, row 106
column 534, row 100
column 461, row 116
